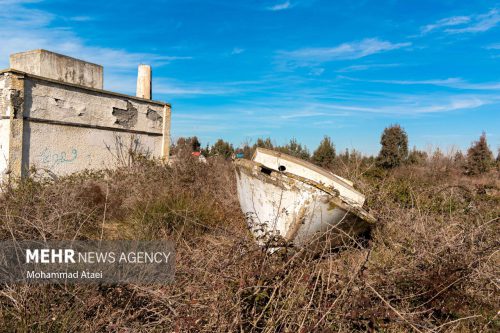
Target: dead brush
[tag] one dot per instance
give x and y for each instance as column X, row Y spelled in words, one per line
column 430, row 265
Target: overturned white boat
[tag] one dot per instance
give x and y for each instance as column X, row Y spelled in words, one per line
column 288, row 199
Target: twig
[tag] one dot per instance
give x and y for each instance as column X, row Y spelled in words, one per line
column 392, row 308
column 457, row 320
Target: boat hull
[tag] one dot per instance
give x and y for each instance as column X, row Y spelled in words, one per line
column 284, row 207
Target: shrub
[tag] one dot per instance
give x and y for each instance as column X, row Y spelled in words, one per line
column 479, row 157
column 394, row 149
column 417, row 157
column 459, row 159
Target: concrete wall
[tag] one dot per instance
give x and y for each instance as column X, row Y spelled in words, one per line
column 52, row 101
column 82, row 148
column 4, row 147
column 64, row 128
column 4, row 128
column 58, row 67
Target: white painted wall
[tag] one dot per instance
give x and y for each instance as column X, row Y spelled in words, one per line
column 63, row 150
column 4, row 147
column 69, row 128
column 4, row 130
column 53, row 101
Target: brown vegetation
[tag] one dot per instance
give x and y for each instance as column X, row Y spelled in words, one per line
column 430, row 265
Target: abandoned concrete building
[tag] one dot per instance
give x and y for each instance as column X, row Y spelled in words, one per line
column 56, row 117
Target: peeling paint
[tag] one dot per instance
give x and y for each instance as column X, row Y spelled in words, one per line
column 290, row 207
column 153, row 115
column 65, row 129
column 126, row 118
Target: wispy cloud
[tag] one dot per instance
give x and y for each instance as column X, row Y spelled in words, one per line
column 495, row 46
column 356, row 68
column 26, row 28
column 310, row 114
column 481, row 23
column 352, row 50
column 456, row 83
column 81, row 18
column 317, row 71
column 417, row 104
column 436, row 82
column 280, row 6
column 176, row 88
column 446, row 22
column 17, row 2
column 454, row 104
column 237, row 50
column 465, row 24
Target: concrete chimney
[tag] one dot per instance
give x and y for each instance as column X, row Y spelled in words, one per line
column 144, row 82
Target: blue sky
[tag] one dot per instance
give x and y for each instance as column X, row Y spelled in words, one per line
column 240, row 70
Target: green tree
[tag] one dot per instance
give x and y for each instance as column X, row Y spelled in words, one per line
column 324, row 155
column 479, row 157
column 222, row 148
column 195, row 143
column 295, row 149
column 189, row 144
column 344, row 157
column 206, row 151
column 264, row 143
column 247, row 151
column 394, row 151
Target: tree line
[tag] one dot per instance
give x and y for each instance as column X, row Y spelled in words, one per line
column 394, row 152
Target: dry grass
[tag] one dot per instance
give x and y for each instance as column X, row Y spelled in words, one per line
column 431, row 264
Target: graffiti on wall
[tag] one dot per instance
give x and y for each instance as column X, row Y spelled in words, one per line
column 51, row 159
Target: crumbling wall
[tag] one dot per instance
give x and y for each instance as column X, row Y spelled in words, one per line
column 51, row 101
column 64, row 128
column 71, row 129
column 11, row 111
column 4, row 128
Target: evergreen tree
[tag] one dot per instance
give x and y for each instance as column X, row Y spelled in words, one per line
column 247, row 151
column 195, row 143
column 187, row 145
column 479, row 157
column 264, row 143
column 394, row 151
column 295, row 149
column 222, row 148
column 324, row 155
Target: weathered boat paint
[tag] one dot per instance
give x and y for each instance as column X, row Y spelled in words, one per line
column 283, row 162
column 280, row 205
